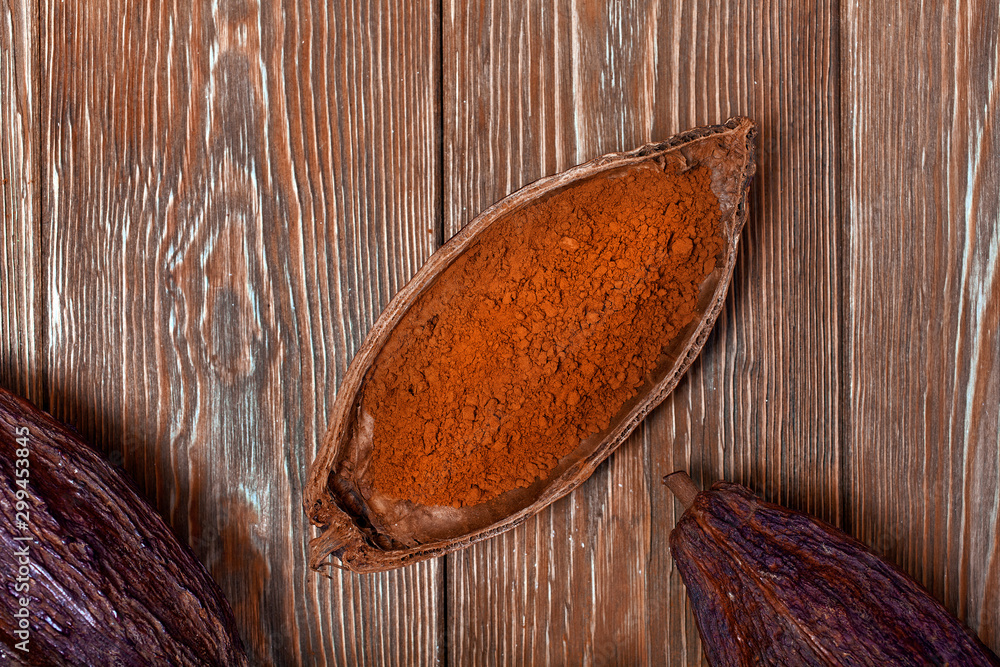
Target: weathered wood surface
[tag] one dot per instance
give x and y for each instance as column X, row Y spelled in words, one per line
column 921, row 174
column 235, row 191
column 20, row 224
column 204, row 206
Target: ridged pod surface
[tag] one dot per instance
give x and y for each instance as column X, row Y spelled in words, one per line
column 772, row 586
column 108, row 583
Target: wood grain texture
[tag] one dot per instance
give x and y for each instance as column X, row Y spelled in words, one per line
column 207, row 204
column 921, row 112
column 237, row 188
column 20, row 224
column 534, row 89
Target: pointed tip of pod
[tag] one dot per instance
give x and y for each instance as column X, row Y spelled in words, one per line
column 741, row 122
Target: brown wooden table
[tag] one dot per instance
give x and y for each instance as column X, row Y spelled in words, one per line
column 205, row 205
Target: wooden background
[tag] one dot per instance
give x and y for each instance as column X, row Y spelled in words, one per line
column 205, row 205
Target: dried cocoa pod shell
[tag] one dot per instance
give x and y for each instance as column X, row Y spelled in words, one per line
column 108, row 583
column 772, row 586
column 364, row 529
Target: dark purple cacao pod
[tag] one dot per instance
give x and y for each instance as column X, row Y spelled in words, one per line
column 771, row 586
column 92, row 575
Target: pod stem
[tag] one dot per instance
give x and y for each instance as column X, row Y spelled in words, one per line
column 682, row 486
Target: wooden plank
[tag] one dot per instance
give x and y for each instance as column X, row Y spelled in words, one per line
column 921, row 112
column 237, row 190
column 532, row 89
column 20, row 224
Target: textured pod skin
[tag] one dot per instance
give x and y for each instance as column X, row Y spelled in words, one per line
column 109, row 583
column 771, row 586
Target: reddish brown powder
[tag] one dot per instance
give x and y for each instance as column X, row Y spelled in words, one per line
column 536, row 336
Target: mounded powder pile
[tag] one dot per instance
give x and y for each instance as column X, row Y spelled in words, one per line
column 537, row 335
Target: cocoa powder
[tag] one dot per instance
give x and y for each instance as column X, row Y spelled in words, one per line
column 534, row 338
